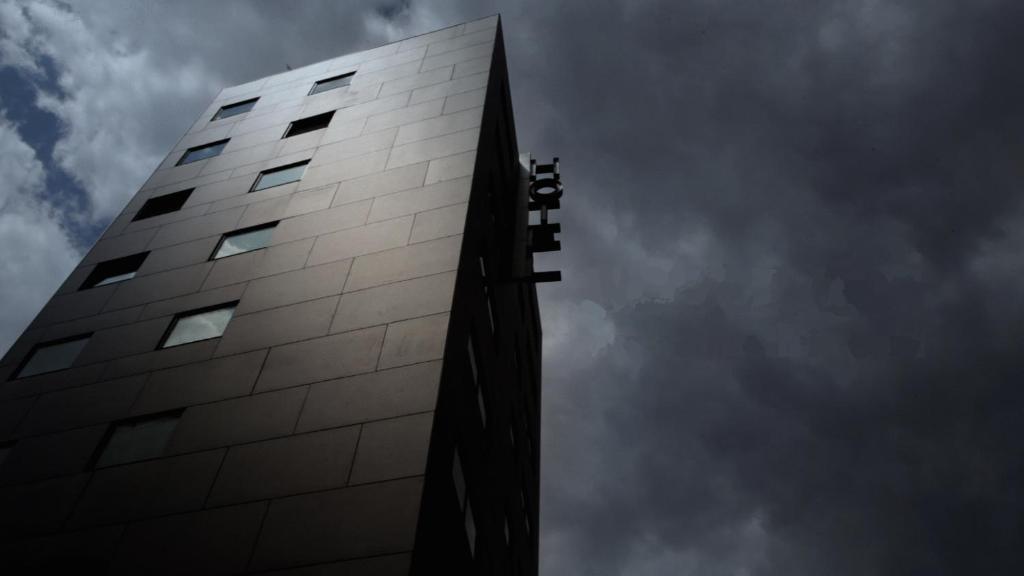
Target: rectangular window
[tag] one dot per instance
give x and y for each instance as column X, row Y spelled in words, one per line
column 526, row 510
column 199, row 325
column 470, row 529
column 279, row 176
column 508, row 538
column 245, row 240
column 481, row 405
column 137, row 438
column 459, row 479
column 332, row 83
column 311, row 124
column 159, row 205
column 235, row 109
column 203, row 152
column 53, row 356
column 487, row 294
column 112, row 271
column 471, row 352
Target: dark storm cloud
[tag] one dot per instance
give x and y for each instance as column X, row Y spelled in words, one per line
column 838, row 391
column 787, row 339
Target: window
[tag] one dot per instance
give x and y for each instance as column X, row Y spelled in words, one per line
column 199, row 325
column 311, row 124
column 332, row 83
column 203, row 152
column 5, row 449
column 470, row 529
column 487, row 293
column 112, row 271
column 245, row 240
column 235, row 109
column 471, row 352
column 526, row 510
column 507, row 535
column 481, row 405
column 160, row 205
column 279, row 176
column 459, row 480
column 137, row 438
column 53, row 356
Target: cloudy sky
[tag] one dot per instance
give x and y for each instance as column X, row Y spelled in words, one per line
column 788, row 339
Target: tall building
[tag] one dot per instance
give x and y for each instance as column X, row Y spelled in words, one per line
column 310, row 343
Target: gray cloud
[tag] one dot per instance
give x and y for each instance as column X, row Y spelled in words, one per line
column 787, row 342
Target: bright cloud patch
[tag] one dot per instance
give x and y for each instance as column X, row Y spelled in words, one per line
column 35, row 252
column 111, row 102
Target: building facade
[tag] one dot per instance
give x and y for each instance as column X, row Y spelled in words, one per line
column 310, row 343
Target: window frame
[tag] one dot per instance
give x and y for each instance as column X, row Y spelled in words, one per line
column 291, row 126
column 316, row 83
column 222, row 143
column 259, row 176
column 93, row 280
column 108, row 435
column 141, row 214
column 162, row 345
column 218, row 116
column 17, row 374
column 213, row 256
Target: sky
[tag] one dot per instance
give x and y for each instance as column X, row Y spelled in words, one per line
column 788, row 337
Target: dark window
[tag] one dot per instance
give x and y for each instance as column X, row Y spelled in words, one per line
column 53, row 356
column 487, row 294
column 203, row 152
column 235, row 109
column 5, row 449
column 332, row 83
column 165, row 204
column 526, row 510
column 459, row 480
column 473, row 369
column 311, row 124
column 199, row 325
column 279, row 176
column 137, row 438
column 245, row 240
column 117, row 270
column 470, row 524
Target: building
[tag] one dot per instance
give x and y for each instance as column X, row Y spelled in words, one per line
column 309, row 344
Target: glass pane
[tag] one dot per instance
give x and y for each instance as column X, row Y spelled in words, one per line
column 138, row 441
column 459, row 479
column 244, row 242
column 235, row 109
column 116, row 278
column 480, row 404
column 116, row 270
column 201, row 326
column 278, row 177
column 197, row 154
column 53, row 357
column 331, row 84
column 163, row 204
column 311, row 124
column 471, row 529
